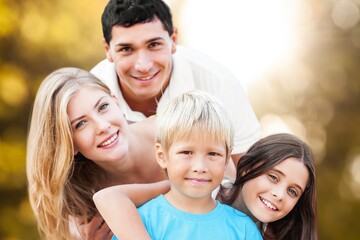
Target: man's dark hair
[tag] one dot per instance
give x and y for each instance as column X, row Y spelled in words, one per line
column 126, row 13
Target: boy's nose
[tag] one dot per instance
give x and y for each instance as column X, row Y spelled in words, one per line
column 199, row 165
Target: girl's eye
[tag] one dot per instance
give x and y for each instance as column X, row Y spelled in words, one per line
column 292, row 192
column 273, row 178
column 103, row 106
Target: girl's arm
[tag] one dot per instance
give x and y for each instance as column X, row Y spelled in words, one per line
column 117, row 205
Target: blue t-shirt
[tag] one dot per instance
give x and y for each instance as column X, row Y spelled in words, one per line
column 163, row 221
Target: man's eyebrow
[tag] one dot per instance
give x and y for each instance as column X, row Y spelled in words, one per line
column 125, row 44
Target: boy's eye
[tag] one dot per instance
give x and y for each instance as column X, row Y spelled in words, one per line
column 214, row 154
column 186, row 152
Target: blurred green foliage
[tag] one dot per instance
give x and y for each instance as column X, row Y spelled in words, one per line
column 318, row 94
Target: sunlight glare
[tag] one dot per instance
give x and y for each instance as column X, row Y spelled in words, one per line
column 248, row 37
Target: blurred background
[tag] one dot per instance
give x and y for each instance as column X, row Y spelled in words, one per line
column 298, row 61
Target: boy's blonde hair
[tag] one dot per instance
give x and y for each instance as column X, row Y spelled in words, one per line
column 194, row 114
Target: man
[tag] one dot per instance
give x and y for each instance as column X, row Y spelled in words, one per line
column 145, row 69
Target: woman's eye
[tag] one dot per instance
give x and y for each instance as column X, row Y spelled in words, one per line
column 292, row 192
column 79, row 124
column 103, row 106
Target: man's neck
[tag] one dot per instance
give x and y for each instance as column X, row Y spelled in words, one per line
column 147, row 107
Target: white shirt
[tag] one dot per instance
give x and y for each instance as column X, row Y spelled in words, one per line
column 195, row 70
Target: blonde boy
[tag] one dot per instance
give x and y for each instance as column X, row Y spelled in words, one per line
column 194, row 142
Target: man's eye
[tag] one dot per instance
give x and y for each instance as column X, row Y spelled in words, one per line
column 154, row 44
column 124, row 49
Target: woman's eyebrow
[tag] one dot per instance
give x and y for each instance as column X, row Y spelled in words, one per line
column 95, row 106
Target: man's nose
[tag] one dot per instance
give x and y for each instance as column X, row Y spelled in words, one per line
column 144, row 62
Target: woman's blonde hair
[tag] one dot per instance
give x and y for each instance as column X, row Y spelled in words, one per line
column 194, row 114
column 59, row 185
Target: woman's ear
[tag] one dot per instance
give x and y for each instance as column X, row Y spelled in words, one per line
column 160, row 156
column 75, row 151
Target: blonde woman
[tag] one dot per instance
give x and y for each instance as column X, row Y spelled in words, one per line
column 75, row 118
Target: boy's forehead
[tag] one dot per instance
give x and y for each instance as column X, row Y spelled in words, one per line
column 200, row 136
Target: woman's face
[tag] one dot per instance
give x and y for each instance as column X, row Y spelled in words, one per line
column 100, row 131
column 272, row 195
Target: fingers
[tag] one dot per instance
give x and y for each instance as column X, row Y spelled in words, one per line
column 96, row 229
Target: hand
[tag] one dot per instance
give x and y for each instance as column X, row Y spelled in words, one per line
column 96, row 229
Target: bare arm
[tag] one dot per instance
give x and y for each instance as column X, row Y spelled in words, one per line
column 117, row 205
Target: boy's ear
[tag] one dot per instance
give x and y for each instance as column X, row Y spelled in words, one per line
column 160, row 156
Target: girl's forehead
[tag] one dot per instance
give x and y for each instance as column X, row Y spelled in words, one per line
column 294, row 170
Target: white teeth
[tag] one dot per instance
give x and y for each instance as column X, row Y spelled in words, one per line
column 268, row 204
column 111, row 140
column 144, row 79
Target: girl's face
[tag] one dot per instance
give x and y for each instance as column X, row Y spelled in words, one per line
column 272, row 195
column 100, row 131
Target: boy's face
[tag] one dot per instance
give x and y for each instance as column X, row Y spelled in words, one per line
column 195, row 168
column 142, row 55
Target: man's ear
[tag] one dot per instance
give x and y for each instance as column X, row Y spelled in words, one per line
column 107, row 50
column 174, row 40
column 160, row 156
column 116, row 99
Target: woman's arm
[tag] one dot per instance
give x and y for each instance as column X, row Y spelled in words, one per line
column 117, row 205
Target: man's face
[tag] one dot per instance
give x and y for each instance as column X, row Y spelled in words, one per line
column 142, row 55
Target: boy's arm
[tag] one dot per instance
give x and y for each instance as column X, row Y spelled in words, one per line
column 117, row 205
